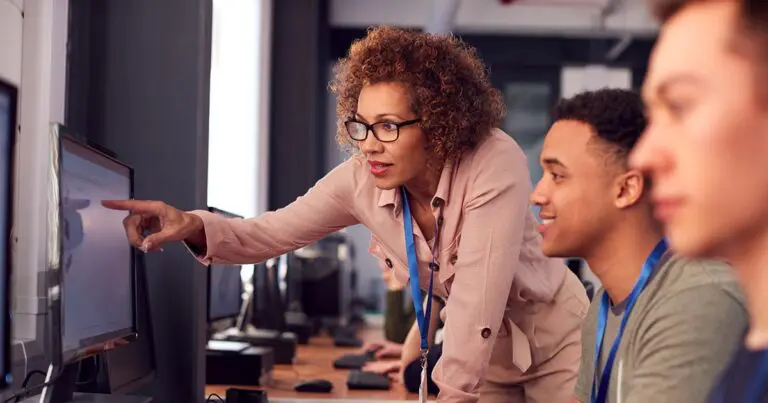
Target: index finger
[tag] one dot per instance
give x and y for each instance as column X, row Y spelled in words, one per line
column 135, row 206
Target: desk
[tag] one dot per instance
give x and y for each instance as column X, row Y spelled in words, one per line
column 314, row 361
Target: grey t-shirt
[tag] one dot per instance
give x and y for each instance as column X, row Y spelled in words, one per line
column 682, row 332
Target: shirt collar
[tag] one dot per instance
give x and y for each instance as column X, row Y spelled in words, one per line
column 391, row 197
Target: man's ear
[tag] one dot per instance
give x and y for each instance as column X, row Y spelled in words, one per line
column 630, row 188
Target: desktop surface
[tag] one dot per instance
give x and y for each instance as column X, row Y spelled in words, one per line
column 315, row 361
column 98, row 275
column 99, row 398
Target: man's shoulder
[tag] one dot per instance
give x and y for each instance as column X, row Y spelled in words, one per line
column 679, row 274
column 688, row 288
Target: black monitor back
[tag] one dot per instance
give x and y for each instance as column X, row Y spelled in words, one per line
column 268, row 308
column 325, row 280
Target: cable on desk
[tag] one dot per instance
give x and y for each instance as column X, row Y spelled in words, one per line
column 212, row 396
column 25, row 391
column 94, row 376
column 28, row 378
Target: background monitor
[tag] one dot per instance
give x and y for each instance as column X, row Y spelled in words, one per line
column 8, row 100
column 268, row 311
column 225, row 286
column 98, row 292
column 225, row 291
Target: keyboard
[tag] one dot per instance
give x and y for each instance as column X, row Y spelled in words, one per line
column 353, row 361
column 360, row 380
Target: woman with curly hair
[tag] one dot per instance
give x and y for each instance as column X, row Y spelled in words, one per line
column 445, row 196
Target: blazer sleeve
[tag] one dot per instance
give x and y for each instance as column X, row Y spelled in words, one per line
column 326, row 208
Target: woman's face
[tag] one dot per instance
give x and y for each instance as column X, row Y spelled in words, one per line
column 398, row 162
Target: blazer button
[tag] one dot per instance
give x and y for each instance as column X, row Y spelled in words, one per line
column 454, row 258
column 434, row 266
column 486, row 333
column 440, row 221
column 388, row 262
column 435, row 202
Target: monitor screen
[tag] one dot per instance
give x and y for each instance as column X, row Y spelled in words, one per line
column 98, row 293
column 7, row 135
column 225, row 291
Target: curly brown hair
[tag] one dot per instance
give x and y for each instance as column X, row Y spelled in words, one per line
column 449, row 85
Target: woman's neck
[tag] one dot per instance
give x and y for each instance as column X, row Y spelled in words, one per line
column 423, row 187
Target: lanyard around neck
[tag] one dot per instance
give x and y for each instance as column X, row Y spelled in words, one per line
column 600, row 394
column 422, row 318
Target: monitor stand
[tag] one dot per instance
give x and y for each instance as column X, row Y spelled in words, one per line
column 63, row 391
column 283, row 344
column 237, row 363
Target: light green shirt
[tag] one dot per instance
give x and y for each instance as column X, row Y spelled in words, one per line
column 682, row 333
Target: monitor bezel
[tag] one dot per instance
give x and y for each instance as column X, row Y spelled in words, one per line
column 105, row 342
column 5, row 298
column 209, row 275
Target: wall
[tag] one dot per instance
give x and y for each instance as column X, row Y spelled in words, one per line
column 491, row 16
column 10, row 41
column 42, row 99
column 298, row 95
column 239, row 104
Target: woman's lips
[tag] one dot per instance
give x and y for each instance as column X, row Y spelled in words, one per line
column 378, row 168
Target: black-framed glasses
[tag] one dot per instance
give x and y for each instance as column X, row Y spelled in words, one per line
column 386, row 132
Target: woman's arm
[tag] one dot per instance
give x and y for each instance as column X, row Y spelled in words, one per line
column 491, row 239
column 325, row 208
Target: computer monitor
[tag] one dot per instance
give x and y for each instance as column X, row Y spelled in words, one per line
column 95, row 272
column 129, row 368
column 8, row 100
column 225, row 290
column 225, row 286
column 325, row 280
column 268, row 308
column 98, row 276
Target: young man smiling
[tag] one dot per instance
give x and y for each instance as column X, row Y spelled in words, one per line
column 664, row 327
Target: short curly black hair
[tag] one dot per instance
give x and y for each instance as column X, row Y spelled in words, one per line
column 616, row 115
column 449, row 85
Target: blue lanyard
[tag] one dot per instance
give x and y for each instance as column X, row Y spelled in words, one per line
column 600, row 395
column 422, row 318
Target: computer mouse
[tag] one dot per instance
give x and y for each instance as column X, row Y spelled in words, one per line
column 314, row 385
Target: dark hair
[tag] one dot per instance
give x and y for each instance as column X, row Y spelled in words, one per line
column 617, row 116
column 449, row 86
